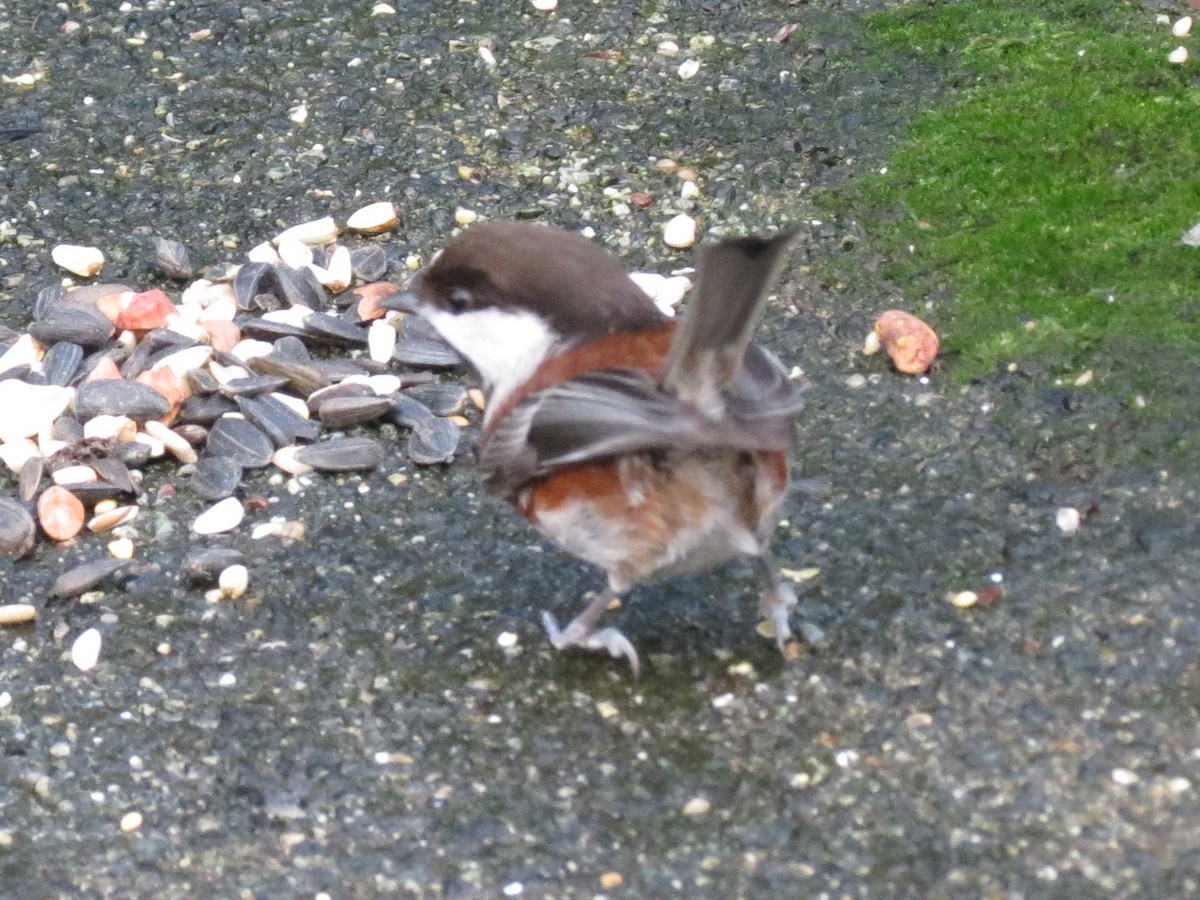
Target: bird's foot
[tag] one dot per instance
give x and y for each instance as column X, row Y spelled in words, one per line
column 579, row 633
column 777, row 603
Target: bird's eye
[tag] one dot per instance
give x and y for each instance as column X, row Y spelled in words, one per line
column 460, row 299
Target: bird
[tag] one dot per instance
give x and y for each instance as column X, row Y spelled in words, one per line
column 642, row 444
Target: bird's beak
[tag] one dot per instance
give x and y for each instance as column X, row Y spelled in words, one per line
column 403, row 301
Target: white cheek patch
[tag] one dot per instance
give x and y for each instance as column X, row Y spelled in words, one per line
column 504, row 347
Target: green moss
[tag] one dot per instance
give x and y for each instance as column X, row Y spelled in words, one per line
column 1046, row 196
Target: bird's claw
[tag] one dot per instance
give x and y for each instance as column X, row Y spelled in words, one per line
column 578, row 634
column 777, row 604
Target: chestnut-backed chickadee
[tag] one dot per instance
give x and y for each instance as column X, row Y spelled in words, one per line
column 646, row 446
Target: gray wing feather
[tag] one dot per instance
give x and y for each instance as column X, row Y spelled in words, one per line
column 732, row 281
column 618, row 411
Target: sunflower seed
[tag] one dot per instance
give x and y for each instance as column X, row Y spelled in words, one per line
column 268, row 330
column 91, row 492
column 83, row 578
column 299, row 287
column 304, row 377
column 444, row 398
column 202, row 381
column 252, row 279
column 61, row 362
column 171, row 257
column 349, row 454
column 206, row 565
column 215, row 477
column 31, row 478
column 369, row 263
column 291, row 347
column 112, row 397
column 341, row 389
column 253, row 386
column 341, row 412
column 281, row 424
column 330, row 329
column 239, row 441
column 17, row 530
column 429, row 354
column 135, row 454
column 408, row 411
column 432, row 441
column 115, row 473
column 77, row 324
column 205, row 409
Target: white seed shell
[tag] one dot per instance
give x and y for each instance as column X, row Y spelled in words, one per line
column 82, row 261
column 374, row 218
column 680, row 232
column 225, row 515
column 318, row 231
column 85, row 651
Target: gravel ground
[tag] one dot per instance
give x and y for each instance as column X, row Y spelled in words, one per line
column 354, row 726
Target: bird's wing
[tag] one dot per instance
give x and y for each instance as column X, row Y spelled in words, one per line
column 616, row 411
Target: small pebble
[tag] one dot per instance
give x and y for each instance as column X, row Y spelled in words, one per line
column 1178, row 56
column 1067, row 519
column 697, row 806
column 689, row 69
column 85, row 651
column 121, row 548
column 963, row 599
column 1182, row 27
column 544, row 5
column 131, row 822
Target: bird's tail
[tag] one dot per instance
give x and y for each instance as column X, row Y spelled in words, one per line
column 733, row 278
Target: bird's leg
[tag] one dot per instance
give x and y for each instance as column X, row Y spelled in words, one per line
column 580, row 631
column 777, row 600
